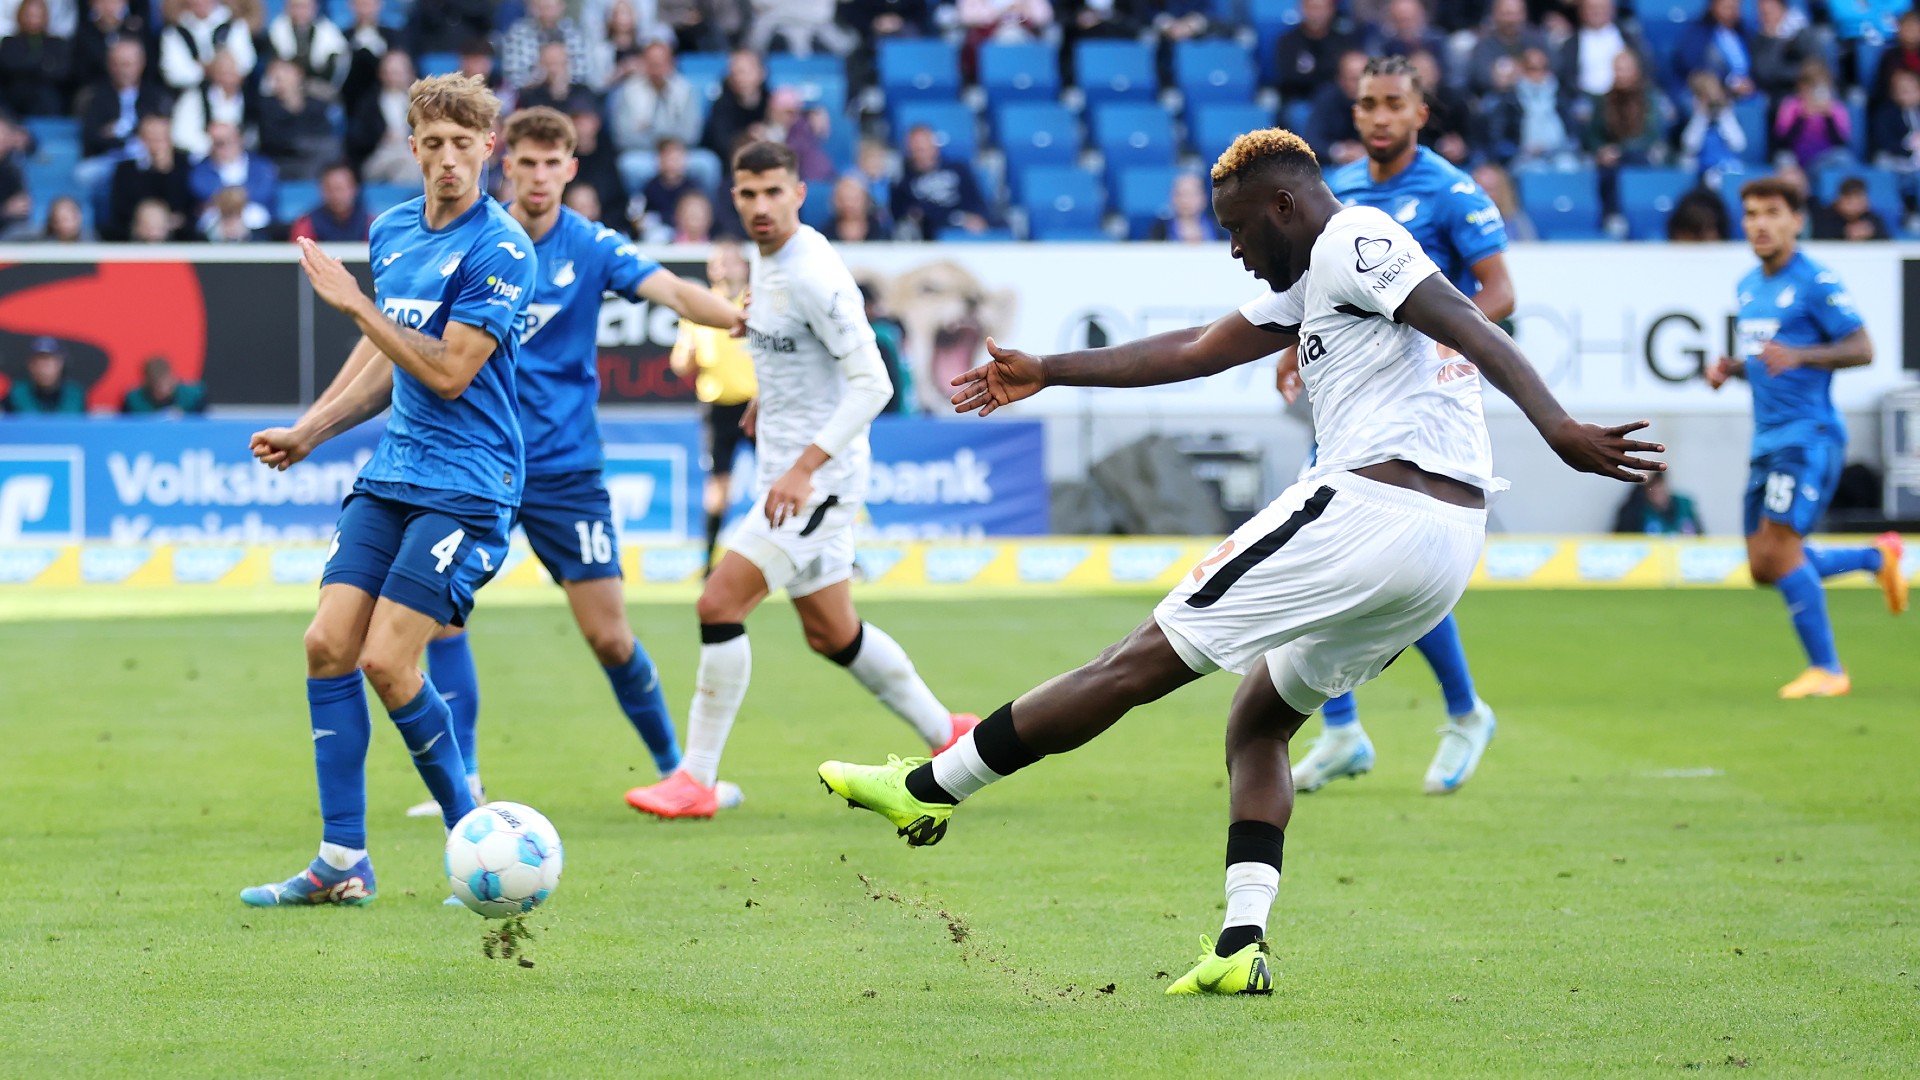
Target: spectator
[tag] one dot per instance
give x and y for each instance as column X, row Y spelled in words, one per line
column 377, row 133
column 555, row 87
column 295, row 131
column 446, row 26
column 153, row 223
column 16, row 203
column 582, row 200
column 1330, row 129
column 599, row 169
column 1449, row 114
column 934, row 194
column 854, row 221
column 1498, row 185
column 1851, row 216
column 545, row 21
column 222, row 99
column 1586, row 57
column 1525, row 124
column 653, row 101
column 155, row 173
column 1001, row 21
column 1783, row 43
column 1902, row 55
column 1813, row 123
column 161, row 391
column 693, row 219
column 229, row 165
column 1504, row 35
column 1895, row 140
column 1305, row 54
column 107, row 22
column 367, row 41
column 611, row 40
column 1655, row 509
column 110, row 120
column 873, row 166
column 188, row 45
column 66, row 223
column 1719, row 44
column 47, row 390
column 341, row 217
column 1405, row 32
column 477, row 62
column 229, row 218
column 888, row 18
column 805, row 133
column 1700, row 217
column 702, row 25
column 1713, row 138
column 1629, row 122
column 1093, row 20
column 36, row 68
column 801, row 24
column 742, row 106
column 670, row 183
column 1192, row 219
column 1182, row 20
column 312, row 42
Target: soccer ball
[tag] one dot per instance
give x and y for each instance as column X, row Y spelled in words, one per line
column 503, row 859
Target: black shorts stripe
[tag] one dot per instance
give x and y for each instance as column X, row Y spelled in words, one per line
column 820, row 514
column 1236, row 568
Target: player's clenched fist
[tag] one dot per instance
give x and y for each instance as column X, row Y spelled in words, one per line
column 280, row 447
column 1721, row 370
column 1006, row 378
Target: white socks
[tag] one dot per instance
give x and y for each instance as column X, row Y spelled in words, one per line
column 960, row 772
column 1251, row 887
column 340, row 858
column 883, row 667
column 722, row 684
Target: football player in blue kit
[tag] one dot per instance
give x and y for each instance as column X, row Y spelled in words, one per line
column 1797, row 327
column 1461, row 230
column 426, row 523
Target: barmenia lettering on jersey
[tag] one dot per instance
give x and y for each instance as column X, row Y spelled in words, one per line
column 764, row 342
column 1385, row 277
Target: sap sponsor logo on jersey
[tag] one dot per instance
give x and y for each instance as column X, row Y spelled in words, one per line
column 41, row 496
column 646, row 483
column 412, row 314
column 1609, row 561
column 1517, row 561
column 960, row 480
column 1132, row 563
column 958, row 565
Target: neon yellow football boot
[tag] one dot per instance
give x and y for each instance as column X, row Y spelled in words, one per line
column 1245, row 972
column 883, row 790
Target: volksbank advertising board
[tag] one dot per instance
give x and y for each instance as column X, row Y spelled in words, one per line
column 136, row 481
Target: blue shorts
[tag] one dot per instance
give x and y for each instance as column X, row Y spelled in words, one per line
column 1793, row 485
column 568, row 518
column 429, row 559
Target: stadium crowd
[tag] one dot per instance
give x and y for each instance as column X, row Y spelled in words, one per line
column 979, row 119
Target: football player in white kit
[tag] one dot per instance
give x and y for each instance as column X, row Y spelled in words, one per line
column 1321, row 590
column 821, row 383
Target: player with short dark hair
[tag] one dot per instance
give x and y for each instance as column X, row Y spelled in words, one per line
column 426, row 523
column 1797, row 327
column 1318, row 592
column 821, row 382
column 1458, row 227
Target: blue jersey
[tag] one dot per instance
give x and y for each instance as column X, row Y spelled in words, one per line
column 479, row 270
column 559, row 378
column 1441, row 206
column 1803, row 304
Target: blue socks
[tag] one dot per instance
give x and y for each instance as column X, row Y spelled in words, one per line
column 426, row 726
column 1830, row 561
column 1807, row 604
column 1443, row 650
column 1340, row 711
column 341, row 731
column 450, row 663
column 637, row 686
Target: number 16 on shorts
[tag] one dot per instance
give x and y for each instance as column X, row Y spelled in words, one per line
column 596, row 546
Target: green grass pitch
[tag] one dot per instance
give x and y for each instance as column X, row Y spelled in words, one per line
column 1659, row 868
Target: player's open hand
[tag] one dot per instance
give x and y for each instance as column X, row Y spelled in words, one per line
column 1286, row 377
column 1005, row 378
column 787, row 495
column 1779, row 358
column 1607, row 451
column 331, row 279
column 1720, row 371
column 280, row 447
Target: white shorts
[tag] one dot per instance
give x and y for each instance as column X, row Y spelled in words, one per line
column 810, row 551
column 1329, row 583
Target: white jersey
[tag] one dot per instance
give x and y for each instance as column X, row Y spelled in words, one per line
column 807, row 316
column 1380, row 389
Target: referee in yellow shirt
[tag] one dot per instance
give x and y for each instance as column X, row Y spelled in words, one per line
column 722, row 373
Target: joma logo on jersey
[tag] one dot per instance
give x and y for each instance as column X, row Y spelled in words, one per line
column 412, row 314
column 503, row 287
column 761, row 341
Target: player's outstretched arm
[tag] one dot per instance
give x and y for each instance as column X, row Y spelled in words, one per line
column 360, row 400
column 1438, row 310
column 363, row 353
column 691, row 301
column 1175, row 356
column 444, row 365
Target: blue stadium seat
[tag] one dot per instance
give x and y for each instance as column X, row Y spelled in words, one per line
column 47, row 180
column 1141, row 196
column 997, row 235
column 821, row 80
column 705, row 71
column 438, row 63
column 1059, row 200
column 1019, row 73
column 51, row 133
column 1212, row 128
column 1647, row 196
column 1883, row 192
column 1270, row 19
column 1752, row 114
column 915, row 70
column 1130, row 134
column 1563, row 205
column 1055, row 235
column 296, row 198
column 1116, row 71
column 989, row 189
column 1677, row 11
column 952, row 124
column 1857, row 131
column 1213, row 70
column 1295, row 115
column 383, row 197
column 1037, row 134
column 817, row 210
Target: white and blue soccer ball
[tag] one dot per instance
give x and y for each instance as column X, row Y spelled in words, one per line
column 503, row 859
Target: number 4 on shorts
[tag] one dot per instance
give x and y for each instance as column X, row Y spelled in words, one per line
column 446, row 549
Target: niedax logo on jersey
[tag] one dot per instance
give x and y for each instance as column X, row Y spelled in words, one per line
column 1370, row 253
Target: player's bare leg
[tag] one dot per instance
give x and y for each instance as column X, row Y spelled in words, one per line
column 1776, row 556
column 834, row 630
